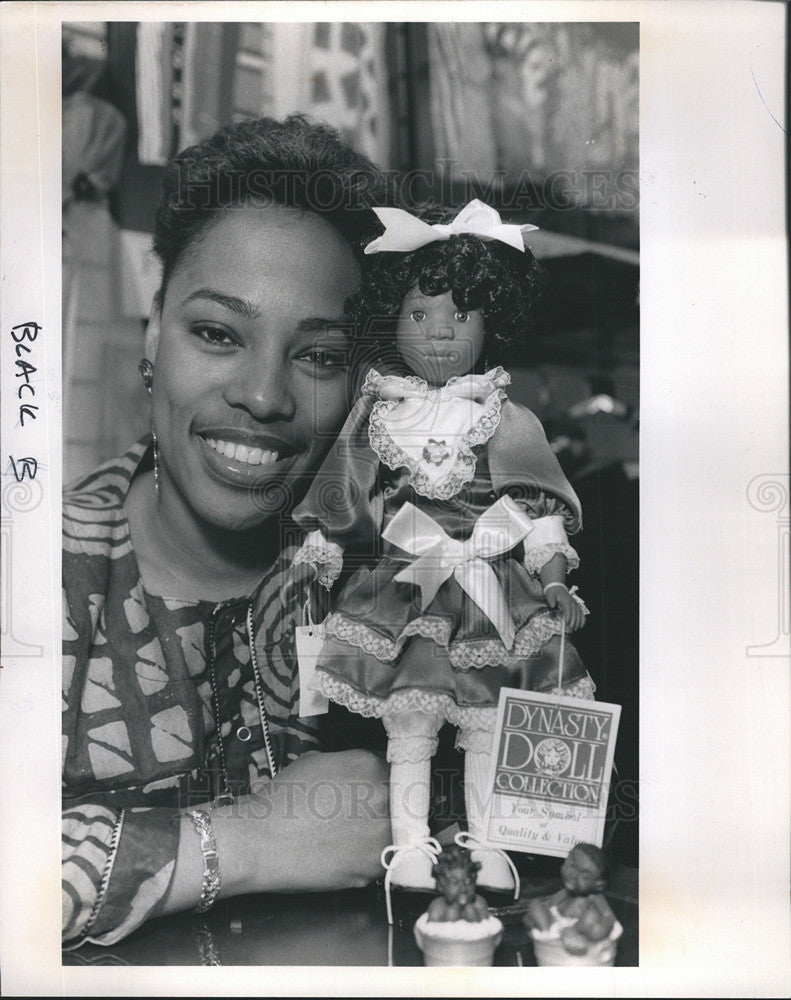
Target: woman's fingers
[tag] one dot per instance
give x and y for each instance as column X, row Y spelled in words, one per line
column 327, row 821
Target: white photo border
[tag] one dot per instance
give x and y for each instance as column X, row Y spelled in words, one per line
column 714, row 845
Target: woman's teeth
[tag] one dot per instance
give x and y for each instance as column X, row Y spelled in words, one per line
column 242, row 453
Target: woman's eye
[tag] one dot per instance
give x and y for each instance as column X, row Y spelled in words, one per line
column 461, row 316
column 325, row 359
column 418, row 315
column 216, row 336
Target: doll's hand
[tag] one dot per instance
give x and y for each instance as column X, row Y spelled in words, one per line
column 571, row 607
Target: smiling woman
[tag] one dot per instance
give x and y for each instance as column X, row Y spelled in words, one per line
column 181, row 695
column 249, row 386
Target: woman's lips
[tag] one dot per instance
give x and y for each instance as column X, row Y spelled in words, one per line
column 241, row 464
column 243, row 453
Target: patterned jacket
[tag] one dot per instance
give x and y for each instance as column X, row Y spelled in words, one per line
column 166, row 703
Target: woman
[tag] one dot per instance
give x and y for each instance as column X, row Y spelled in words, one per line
column 181, row 694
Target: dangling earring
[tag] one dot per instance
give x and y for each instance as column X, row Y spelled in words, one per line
column 156, row 462
column 147, row 374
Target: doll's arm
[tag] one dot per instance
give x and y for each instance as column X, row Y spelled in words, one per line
column 323, row 555
column 538, row 915
column 557, row 595
column 343, row 505
column 545, row 543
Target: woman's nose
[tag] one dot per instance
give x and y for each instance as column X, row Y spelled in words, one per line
column 262, row 388
column 438, row 332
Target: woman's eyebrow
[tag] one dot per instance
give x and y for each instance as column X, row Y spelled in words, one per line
column 240, row 306
column 313, row 324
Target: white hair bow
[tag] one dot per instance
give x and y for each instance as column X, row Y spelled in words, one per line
column 404, row 232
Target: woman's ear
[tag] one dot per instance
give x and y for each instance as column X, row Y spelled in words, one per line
column 153, row 328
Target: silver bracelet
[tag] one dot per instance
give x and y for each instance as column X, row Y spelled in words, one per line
column 211, row 865
column 557, row 583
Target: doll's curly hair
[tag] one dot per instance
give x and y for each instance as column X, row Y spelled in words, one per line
column 504, row 283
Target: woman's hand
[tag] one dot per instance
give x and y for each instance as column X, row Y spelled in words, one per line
column 321, row 824
column 324, row 821
column 572, row 609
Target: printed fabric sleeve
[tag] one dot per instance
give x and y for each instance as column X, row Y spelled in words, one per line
column 116, row 868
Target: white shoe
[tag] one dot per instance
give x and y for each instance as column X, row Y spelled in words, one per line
column 494, row 872
column 497, row 871
column 412, row 870
column 409, row 867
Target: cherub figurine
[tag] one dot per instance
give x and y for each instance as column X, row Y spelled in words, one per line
column 455, row 875
column 463, row 507
column 579, row 909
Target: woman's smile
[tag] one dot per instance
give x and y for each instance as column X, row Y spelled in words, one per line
column 246, row 464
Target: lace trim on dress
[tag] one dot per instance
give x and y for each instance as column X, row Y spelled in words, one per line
column 469, row 654
column 400, row 702
column 476, row 717
column 327, row 561
column 364, row 637
column 479, row 740
column 539, row 556
column 463, row 469
column 498, row 376
column 372, row 385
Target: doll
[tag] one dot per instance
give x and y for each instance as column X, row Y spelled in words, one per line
column 455, row 875
column 579, row 912
column 457, row 928
column 455, row 491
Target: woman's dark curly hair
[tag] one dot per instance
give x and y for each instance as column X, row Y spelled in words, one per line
column 504, row 283
column 294, row 163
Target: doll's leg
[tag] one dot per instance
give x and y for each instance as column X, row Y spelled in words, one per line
column 477, row 746
column 412, row 742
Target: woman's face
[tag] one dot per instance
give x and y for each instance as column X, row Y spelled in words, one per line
column 249, row 350
column 436, row 338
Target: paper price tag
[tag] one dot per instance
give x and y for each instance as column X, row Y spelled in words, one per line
column 309, row 640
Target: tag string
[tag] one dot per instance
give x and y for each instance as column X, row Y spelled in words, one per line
column 561, row 656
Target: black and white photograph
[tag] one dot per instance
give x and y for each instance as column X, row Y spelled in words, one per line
column 394, row 499
column 351, row 385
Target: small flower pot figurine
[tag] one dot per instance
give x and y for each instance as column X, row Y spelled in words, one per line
column 575, row 926
column 457, row 928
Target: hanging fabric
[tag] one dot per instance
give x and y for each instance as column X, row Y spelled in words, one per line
column 334, row 73
column 153, row 84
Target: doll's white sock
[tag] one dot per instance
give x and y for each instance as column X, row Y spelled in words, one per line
column 412, row 742
column 477, row 745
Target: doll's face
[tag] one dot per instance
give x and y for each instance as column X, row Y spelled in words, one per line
column 437, row 339
column 581, row 874
column 457, row 885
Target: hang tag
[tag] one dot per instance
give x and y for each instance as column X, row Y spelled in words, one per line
column 309, row 640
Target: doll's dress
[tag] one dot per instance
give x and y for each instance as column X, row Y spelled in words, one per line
column 441, row 450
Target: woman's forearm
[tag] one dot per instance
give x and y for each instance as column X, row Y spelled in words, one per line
column 320, row 825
